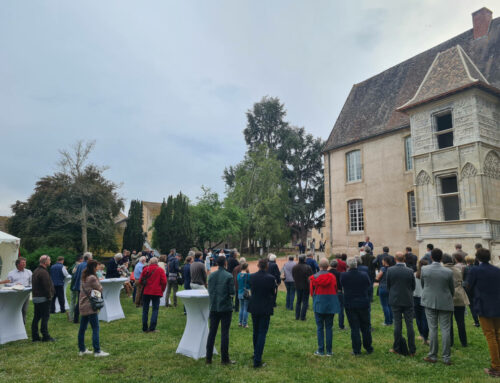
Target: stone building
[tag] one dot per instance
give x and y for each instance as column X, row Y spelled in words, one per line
column 150, row 210
column 413, row 155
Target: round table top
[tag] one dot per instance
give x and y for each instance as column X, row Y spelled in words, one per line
column 113, row 280
column 13, row 291
column 193, row 294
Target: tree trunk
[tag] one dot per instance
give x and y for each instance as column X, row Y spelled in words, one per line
column 303, row 235
column 84, row 227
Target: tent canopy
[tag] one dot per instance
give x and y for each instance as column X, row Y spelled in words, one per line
column 9, row 250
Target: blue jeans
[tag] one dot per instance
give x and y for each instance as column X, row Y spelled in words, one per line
column 359, row 320
column 243, row 311
column 260, row 327
column 341, row 314
column 421, row 319
column 94, row 323
column 384, row 301
column 290, row 294
column 324, row 325
column 145, row 311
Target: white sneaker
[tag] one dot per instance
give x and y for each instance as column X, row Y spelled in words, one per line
column 86, row 352
column 100, row 353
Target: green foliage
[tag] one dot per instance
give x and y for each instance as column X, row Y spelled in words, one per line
column 214, row 221
column 32, row 259
column 172, row 227
column 72, row 209
column 133, row 236
column 261, row 191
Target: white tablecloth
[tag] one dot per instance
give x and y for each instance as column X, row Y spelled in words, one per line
column 194, row 339
column 66, row 305
column 11, row 319
column 112, row 309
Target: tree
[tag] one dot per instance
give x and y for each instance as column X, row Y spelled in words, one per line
column 133, row 236
column 261, row 191
column 163, row 235
column 71, row 209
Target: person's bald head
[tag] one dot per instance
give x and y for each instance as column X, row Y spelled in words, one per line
column 45, row 260
column 153, row 261
column 400, row 257
column 323, row 264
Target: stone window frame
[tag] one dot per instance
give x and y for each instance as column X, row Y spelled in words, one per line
column 437, row 133
column 412, row 209
column 441, row 195
column 347, row 167
column 355, row 210
column 408, row 149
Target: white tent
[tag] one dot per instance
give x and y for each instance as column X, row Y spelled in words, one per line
column 9, row 250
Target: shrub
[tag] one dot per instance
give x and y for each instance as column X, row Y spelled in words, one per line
column 32, row 259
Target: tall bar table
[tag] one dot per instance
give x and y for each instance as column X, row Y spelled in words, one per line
column 66, row 305
column 194, row 339
column 112, row 309
column 11, row 319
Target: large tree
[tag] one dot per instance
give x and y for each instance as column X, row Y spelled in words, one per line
column 134, row 236
column 74, row 208
column 261, row 191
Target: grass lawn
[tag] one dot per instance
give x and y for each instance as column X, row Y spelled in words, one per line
column 138, row 357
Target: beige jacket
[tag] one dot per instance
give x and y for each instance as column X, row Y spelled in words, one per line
column 92, row 283
column 460, row 298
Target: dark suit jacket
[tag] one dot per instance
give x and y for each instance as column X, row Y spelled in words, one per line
column 401, row 284
column 263, row 288
column 411, row 261
column 274, row 270
column 356, row 287
column 484, row 282
column 112, row 269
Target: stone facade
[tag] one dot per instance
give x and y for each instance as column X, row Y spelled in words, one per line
column 383, row 188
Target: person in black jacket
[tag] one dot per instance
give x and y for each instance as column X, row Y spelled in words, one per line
column 411, row 259
column 262, row 286
column 401, row 284
column 42, row 294
column 301, row 273
column 112, row 267
column 274, row 270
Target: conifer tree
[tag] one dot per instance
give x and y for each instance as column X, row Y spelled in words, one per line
column 133, row 237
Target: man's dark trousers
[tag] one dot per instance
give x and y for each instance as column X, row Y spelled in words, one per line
column 398, row 312
column 359, row 320
column 236, row 303
column 59, row 295
column 155, row 300
column 290, row 294
column 42, row 312
column 224, row 317
column 260, row 327
column 301, row 304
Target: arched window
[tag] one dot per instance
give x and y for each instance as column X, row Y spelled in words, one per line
column 356, row 216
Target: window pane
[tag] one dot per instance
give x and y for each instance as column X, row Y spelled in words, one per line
column 449, row 185
column 356, row 222
column 444, row 122
column 450, row 208
column 408, row 153
column 353, row 166
column 445, row 140
column 412, row 211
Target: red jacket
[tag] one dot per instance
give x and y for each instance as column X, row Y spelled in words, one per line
column 323, row 284
column 341, row 266
column 156, row 280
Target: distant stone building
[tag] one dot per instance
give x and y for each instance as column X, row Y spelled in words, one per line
column 414, row 154
column 150, row 210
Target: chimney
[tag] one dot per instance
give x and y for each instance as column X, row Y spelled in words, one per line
column 481, row 20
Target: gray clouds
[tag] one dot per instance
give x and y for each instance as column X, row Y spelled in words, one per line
column 163, row 86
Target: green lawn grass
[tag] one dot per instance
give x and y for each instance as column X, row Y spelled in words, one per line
column 138, row 357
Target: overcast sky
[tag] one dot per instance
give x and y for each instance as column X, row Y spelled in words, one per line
column 163, row 86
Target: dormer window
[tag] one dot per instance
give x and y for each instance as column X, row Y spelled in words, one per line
column 444, row 129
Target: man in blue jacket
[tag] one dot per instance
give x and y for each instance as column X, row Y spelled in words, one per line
column 58, row 273
column 356, row 287
column 263, row 287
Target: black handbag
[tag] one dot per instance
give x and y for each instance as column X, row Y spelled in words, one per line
column 180, row 280
column 96, row 303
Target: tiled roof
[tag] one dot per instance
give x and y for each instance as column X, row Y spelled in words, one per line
column 371, row 107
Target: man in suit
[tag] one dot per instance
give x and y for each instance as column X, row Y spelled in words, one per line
column 427, row 255
column 301, row 273
column 274, row 270
column 437, row 298
column 401, row 284
column 263, row 287
column 378, row 261
column 112, row 267
column 58, row 273
column 356, row 286
column 484, row 281
column 411, row 259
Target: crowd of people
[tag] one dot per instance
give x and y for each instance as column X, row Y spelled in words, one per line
column 432, row 291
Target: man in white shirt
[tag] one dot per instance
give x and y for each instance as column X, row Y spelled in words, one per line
column 20, row 276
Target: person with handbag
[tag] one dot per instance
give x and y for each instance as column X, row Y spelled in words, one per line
column 154, row 282
column 243, row 294
column 173, row 270
column 89, row 304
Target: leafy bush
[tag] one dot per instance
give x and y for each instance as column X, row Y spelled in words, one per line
column 32, row 259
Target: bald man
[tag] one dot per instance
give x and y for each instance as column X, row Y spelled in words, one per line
column 42, row 292
column 401, row 284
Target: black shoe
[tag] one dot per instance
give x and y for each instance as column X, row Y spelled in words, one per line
column 260, row 365
column 50, row 339
column 208, row 361
column 227, row 362
column 36, row 340
column 370, row 351
column 355, row 353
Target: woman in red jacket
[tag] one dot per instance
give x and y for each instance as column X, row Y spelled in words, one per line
column 154, row 281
